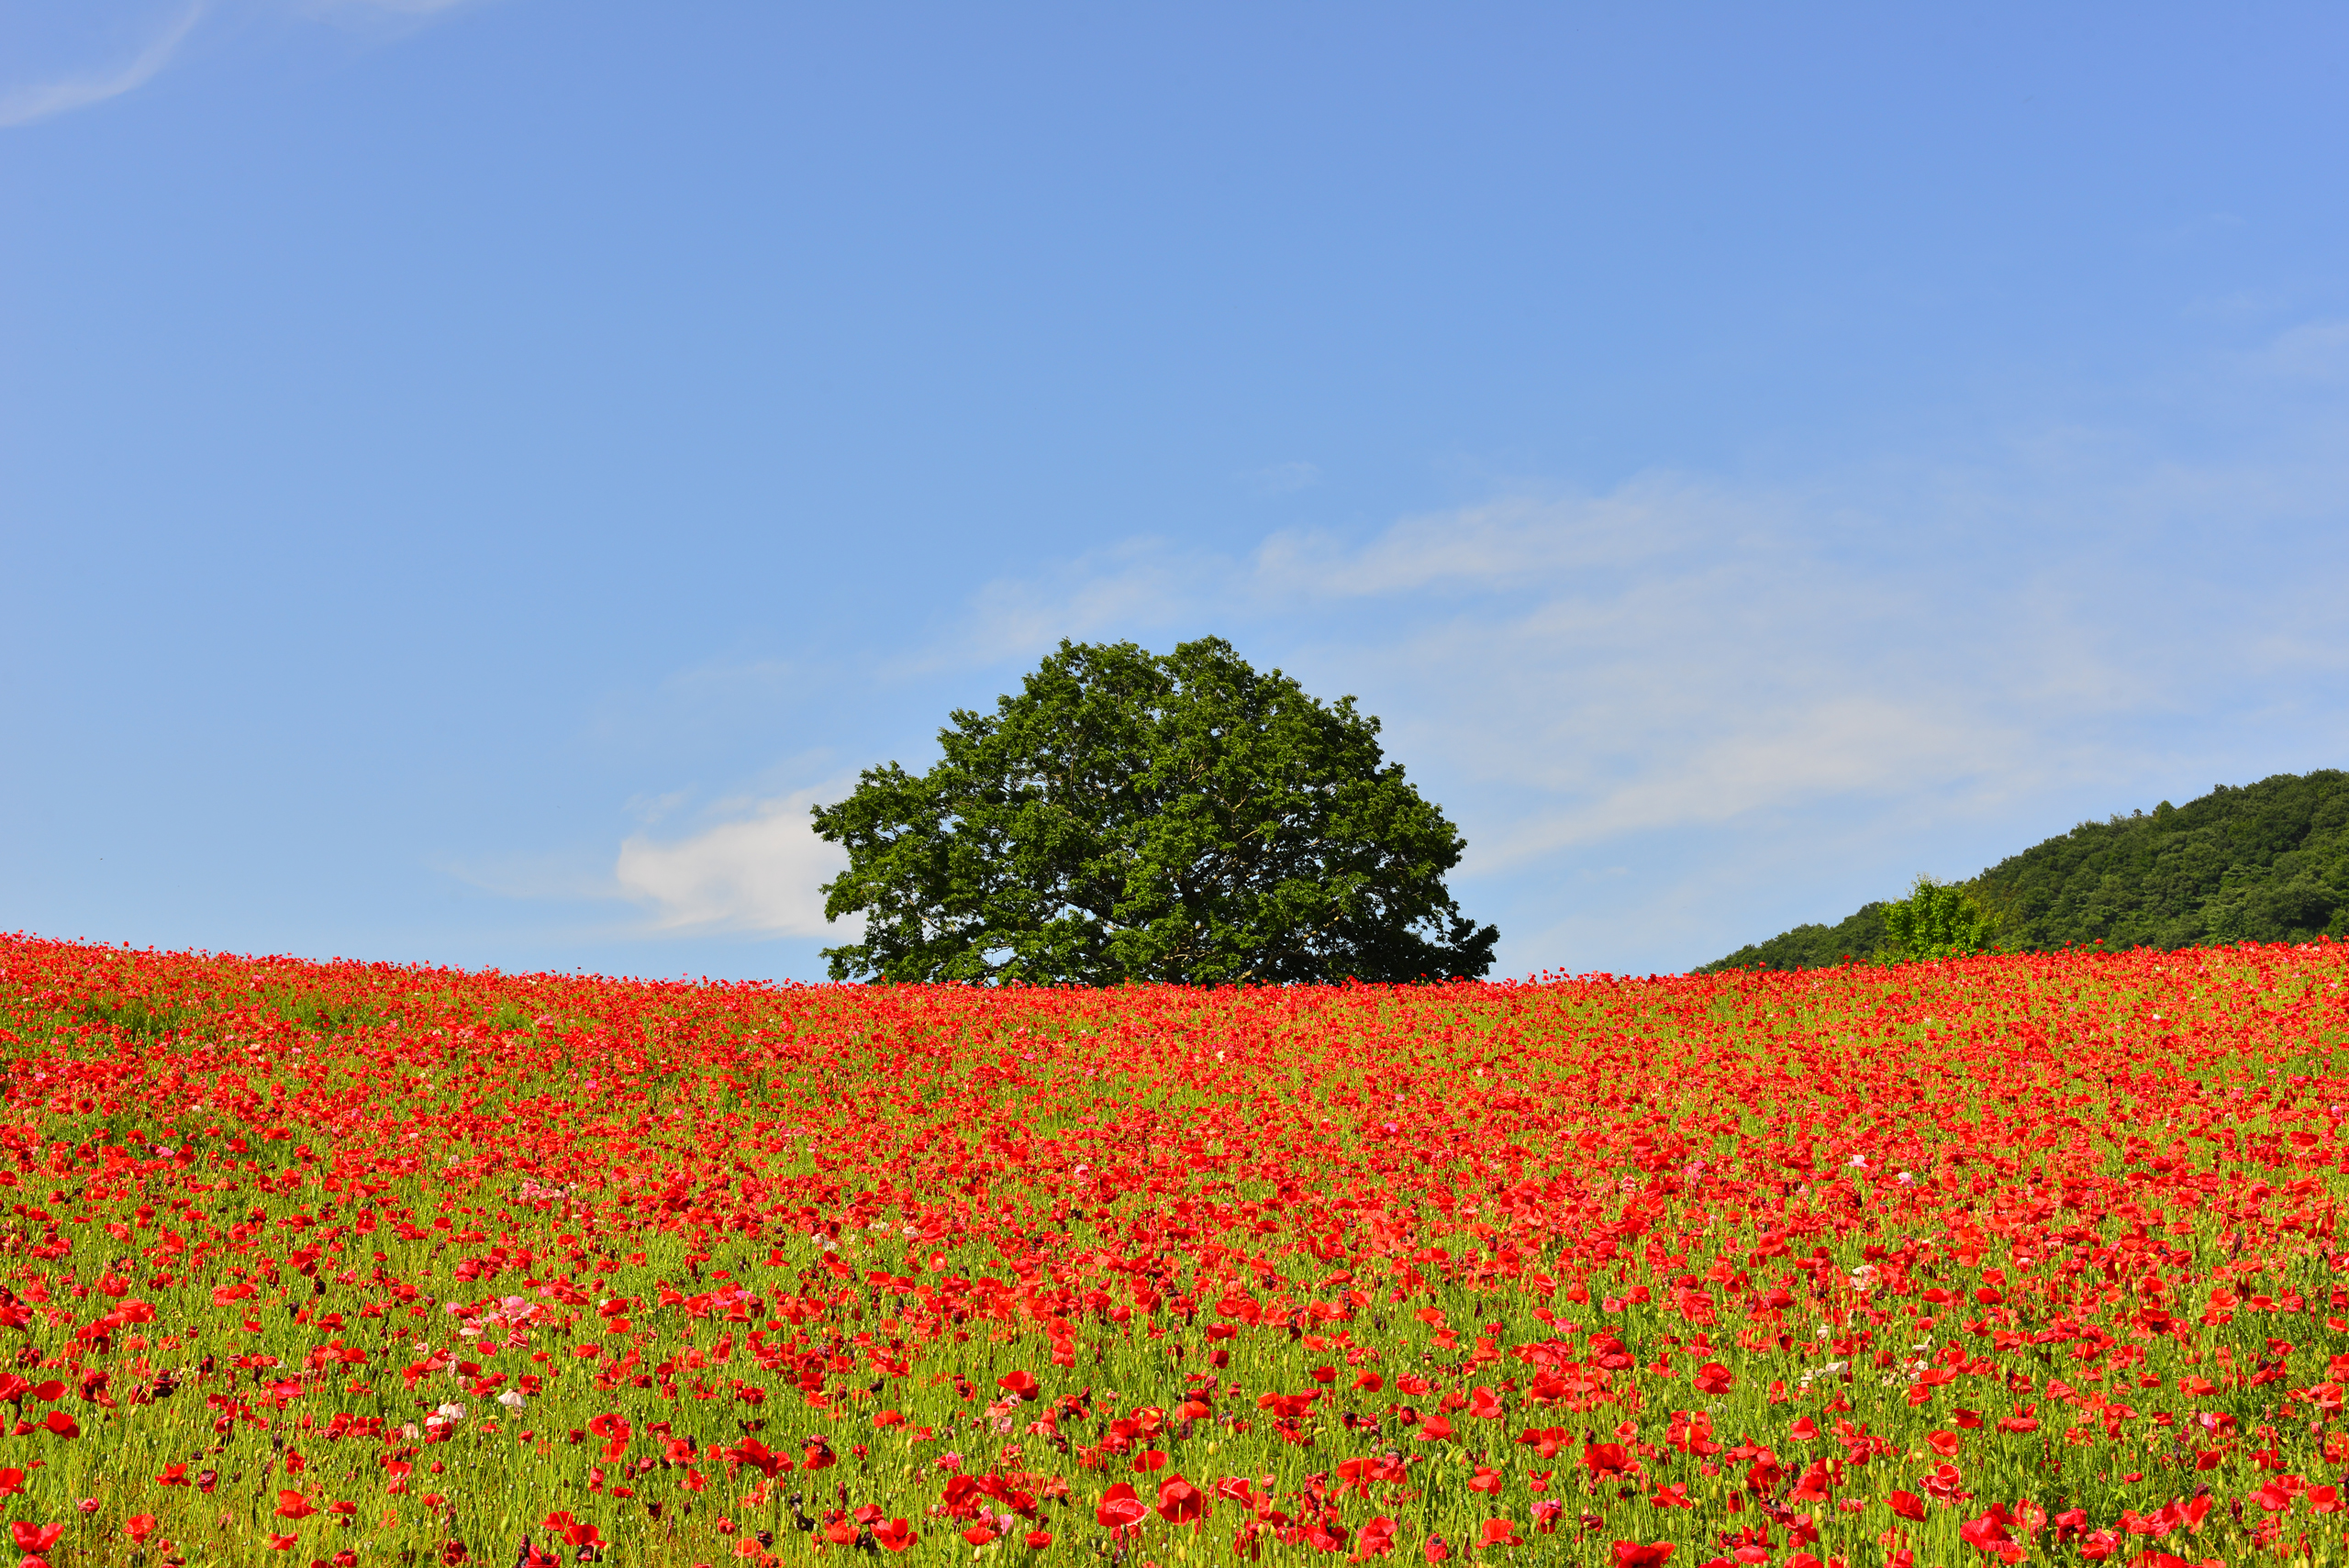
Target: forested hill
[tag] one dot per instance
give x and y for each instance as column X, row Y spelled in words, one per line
column 2266, row 863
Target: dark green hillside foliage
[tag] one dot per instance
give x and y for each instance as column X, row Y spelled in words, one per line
column 2263, row 863
column 1812, row 946
column 2268, row 862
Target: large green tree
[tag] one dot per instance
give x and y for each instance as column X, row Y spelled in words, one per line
column 1136, row 817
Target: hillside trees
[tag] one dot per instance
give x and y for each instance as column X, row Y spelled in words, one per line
column 2267, row 862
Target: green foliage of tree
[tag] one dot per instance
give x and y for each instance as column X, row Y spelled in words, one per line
column 2266, row 863
column 1133, row 816
column 1938, row 920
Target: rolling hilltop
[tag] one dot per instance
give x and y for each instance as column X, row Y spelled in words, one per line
column 2266, row 863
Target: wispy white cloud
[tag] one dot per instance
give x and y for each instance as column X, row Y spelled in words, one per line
column 1284, row 478
column 753, row 866
column 1687, row 668
column 757, row 873
column 552, row 875
column 2315, row 350
column 1665, row 653
column 685, row 710
column 66, row 90
column 381, row 11
column 41, row 100
column 1509, row 542
column 1131, row 583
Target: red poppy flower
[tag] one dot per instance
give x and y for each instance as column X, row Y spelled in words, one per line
column 1545, row 1441
column 1235, row 1488
column 1179, row 1502
column 1606, row 1459
column 750, row 1451
column 1120, row 1510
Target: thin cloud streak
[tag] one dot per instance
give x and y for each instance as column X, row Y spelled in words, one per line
column 1510, row 541
column 1284, row 478
column 35, row 102
column 26, row 106
column 394, row 13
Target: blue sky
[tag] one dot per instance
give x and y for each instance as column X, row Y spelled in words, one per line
column 471, row 474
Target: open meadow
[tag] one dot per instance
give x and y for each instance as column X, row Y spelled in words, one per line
column 2023, row 1258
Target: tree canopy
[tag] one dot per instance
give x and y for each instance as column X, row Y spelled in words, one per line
column 1938, row 920
column 1129, row 816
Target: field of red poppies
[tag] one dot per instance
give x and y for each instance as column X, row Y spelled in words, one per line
column 2017, row 1258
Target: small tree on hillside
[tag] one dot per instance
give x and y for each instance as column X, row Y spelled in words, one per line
column 1135, row 817
column 1938, row 920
